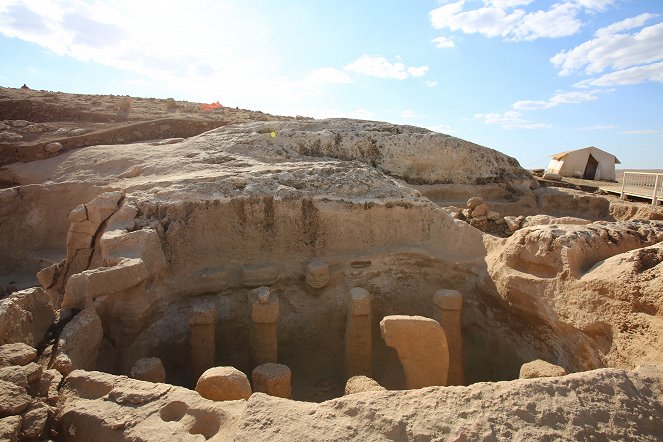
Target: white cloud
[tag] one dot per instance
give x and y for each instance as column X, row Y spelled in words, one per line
column 498, row 19
column 442, row 128
column 443, row 42
column 613, row 51
column 183, row 48
column 559, row 21
column 380, row 67
column 557, row 99
column 327, row 76
column 431, row 83
column 639, row 132
column 503, row 4
column 407, row 113
column 598, row 5
column 639, row 74
column 601, row 127
column 417, row 71
column 361, row 114
column 626, row 24
column 510, row 120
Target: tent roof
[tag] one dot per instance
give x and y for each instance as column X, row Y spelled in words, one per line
column 559, row 156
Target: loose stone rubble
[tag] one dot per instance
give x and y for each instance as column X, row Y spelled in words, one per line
column 403, row 268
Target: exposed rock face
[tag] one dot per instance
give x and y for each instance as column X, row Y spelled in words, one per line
column 593, row 285
column 98, row 406
column 582, row 408
column 143, row 237
column 25, row 316
column 79, row 342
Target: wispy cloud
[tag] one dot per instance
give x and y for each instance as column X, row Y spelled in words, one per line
column 380, row 67
column 510, row 120
column 407, row 113
column 328, row 76
column 557, row 99
column 431, row 83
column 635, row 75
column 442, row 128
column 444, row 42
column 639, row 132
column 600, row 127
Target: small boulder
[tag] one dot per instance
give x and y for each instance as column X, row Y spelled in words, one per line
column 223, row 384
column 149, row 369
column 80, row 341
column 360, row 384
column 10, row 137
column 48, row 385
column 512, row 222
column 34, row 420
column 540, row 369
column 25, row 316
column 10, row 428
column 552, row 176
column 13, row 398
column 493, row 216
column 21, row 375
column 16, row 354
column 54, row 147
column 473, row 202
column 19, row 123
column 480, row 210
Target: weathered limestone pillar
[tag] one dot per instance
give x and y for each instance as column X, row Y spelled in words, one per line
column 421, row 345
column 273, row 379
column 264, row 324
column 201, row 323
column 448, row 307
column 358, row 338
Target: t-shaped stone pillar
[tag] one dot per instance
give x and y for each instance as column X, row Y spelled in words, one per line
column 358, row 338
column 448, row 307
column 203, row 344
column 264, row 324
column 421, row 346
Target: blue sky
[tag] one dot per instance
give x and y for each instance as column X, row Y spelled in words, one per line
column 527, row 77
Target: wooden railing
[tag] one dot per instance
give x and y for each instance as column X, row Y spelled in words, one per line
column 643, row 185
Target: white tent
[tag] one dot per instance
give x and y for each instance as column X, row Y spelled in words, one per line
column 589, row 163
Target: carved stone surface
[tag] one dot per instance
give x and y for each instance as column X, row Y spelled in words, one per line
column 358, row 336
column 422, row 348
column 264, row 325
column 203, row 341
column 448, row 308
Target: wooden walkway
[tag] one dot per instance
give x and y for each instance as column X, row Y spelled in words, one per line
column 639, row 184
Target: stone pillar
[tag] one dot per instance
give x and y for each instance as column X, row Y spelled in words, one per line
column 264, row 324
column 358, row 337
column 273, row 379
column 448, row 308
column 203, row 344
column 421, row 346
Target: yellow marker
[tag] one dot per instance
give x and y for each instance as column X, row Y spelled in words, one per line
column 273, row 134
